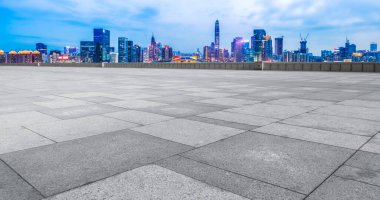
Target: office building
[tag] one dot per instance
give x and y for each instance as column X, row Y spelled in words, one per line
column 373, row 47
column 87, row 51
column 237, row 49
column 102, row 45
column 3, row 57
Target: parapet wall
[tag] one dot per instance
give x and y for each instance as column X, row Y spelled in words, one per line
column 334, row 67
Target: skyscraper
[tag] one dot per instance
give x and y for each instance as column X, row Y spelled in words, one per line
column 217, row 39
column 102, row 45
column 373, row 47
column 153, row 54
column 257, row 43
column 122, row 49
column 279, row 46
column 237, row 49
column 42, row 48
column 129, row 51
column 87, row 51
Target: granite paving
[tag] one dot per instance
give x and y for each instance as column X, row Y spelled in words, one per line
column 124, row 133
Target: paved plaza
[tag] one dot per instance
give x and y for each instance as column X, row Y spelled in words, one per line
column 107, row 133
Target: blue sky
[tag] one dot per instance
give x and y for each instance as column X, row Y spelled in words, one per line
column 188, row 25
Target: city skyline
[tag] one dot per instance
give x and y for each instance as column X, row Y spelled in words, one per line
column 73, row 21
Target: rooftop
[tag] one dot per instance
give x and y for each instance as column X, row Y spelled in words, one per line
column 106, row 133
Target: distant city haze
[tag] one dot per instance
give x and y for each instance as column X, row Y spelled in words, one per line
column 189, row 25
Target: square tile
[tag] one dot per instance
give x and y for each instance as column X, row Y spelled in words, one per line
column 15, row 139
column 70, row 129
column 56, row 168
column 315, row 135
column 240, row 118
column 60, row 102
column 372, row 146
column 365, row 160
column 229, row 102
column 175, row 99
column 138, row 117
column 241, row 185
column 301, row 102
column 80, row 111
column 270, row 110
column 188, row 132
column 135, row 104
column 361, row 103
column 351, row 111
column 99, row 99
column 183, row 109
column 342, row 189
column 211, row 94
column 362, row 175
column 14, row 120
column 293, row 164
column 337, row 124
column 222, row 123
column 148, row 182
column 13, row 187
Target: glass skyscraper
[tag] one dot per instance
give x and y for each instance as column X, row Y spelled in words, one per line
column 217, row 39
column 122, row 49
column 102, row 45
column 87, row 51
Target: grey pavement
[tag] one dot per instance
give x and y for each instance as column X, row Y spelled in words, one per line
column 93, row 133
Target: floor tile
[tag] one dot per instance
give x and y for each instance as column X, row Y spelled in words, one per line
column 297, row 165
column 229, row 102
column 315, row 135
column 235, row 183
column 362, row 175
column 361, row 103
column 15, row 139
column 335, row 123
column 365, row 160
column 301, row 102
column 80, row 111
column 271, row 110
column 240, row 118
column 13, row 187
column 188, row 132
column 70, row 129
column 342, row 189
column 14, row 120
column 56, row 168
column 183, row 109
column 135, row 104
column 351, row 111
column 148, row 182
column 372, row 146
column 138, row 117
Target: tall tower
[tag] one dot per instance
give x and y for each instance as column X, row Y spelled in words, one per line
column 217, row 40
column 217, row 35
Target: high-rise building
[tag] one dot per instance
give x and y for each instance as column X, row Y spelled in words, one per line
column 217, row 40
column 167, row 54
column 137, row 54
column 267, row 48
column 257, row 43
column 122, row 49
column 153, row 52
column 279, row 47
column 102, row 45
column 206, row 54
column 87, row 51
column 130, row 51
column 212, row 52
column 373, row 47
column 42, row 48
column 237, row 49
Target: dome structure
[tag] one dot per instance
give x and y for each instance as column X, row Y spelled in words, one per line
column 12, row 52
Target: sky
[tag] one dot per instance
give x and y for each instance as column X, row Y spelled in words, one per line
column 188, row 25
